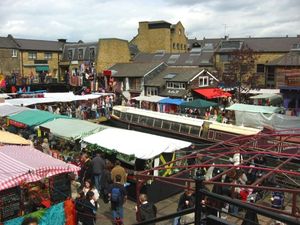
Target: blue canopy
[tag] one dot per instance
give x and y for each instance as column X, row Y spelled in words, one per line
column 173, row 101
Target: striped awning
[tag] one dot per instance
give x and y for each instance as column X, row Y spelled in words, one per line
column 24, row 164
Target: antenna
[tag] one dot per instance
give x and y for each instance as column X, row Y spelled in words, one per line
column 225, row 29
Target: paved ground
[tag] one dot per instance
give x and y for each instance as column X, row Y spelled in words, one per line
column 164, row 207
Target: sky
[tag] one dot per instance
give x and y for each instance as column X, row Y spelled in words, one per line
column 89, row 20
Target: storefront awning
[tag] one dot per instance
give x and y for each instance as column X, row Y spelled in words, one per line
column 171, row 101
column 41, row 68
column 198, row 104
column 211, row 93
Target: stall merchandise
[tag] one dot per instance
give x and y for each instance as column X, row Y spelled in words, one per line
column 71, row 129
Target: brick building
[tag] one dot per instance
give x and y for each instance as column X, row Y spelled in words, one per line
column 162, row 36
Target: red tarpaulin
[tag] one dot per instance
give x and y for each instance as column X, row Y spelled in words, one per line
column 210, row 93
column 24, row 164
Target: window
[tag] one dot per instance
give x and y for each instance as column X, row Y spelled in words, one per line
column 152, row 91
column 48, row 55
column 135, row 118
column 174, row 46
column 80, row 53
column 185, row 129
column 92, row 53
column 175, row 85
column 225, row 58
column 157, row 123
column 166, row 125
column 70, row 54
column 203, row 81
column 173, row 59
column 150, row 122
column 142, row 120
column 179, row 32
column 14, row 53
column 31, row 55
column 260, row 68
column 135, row 84
column 181, row 46
column 178, row 46
column 175, row 127
column 195, row 131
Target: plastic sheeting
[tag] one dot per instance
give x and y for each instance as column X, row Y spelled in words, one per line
column 6, row 109
column 260, row 120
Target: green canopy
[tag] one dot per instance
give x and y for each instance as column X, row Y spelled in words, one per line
column 34, row 117
column 197, row 104
column 254, row 108
column 71, row 129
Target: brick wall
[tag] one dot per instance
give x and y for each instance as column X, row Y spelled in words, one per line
column 9, row 64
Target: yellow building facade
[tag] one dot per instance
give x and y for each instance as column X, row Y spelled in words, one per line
column 160, row 36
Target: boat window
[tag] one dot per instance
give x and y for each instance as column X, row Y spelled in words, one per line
column 123, row 116
column 117, row 113
column 128, row 117
column 135, row 118
column 166, row 125
column 157, row 123
column 142, row 120
column 150, row 122
column 175, row 127
column 185, row 129
column 195, row 131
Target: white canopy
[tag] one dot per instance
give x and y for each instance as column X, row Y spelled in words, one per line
column 153, row 98
column 262, row 91
column 128, row 142
column 51, row 97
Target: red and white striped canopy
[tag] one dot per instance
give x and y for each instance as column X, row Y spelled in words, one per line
column 24, row 164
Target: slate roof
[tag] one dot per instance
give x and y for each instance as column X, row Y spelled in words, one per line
column 192, row 43
column 75, row 47
column 6, row 42
column 290, row 59
column 266, row 44
column 203, row 58
column 39, row 45
column 183, row 74
column 133, row 69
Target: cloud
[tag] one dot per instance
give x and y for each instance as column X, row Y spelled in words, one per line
column 90, row 20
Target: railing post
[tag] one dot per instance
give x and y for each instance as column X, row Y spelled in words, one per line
column 199, row 178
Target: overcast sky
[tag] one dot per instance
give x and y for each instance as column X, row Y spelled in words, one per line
column 89, row 20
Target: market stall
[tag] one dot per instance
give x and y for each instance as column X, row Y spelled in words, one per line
column 149, row 102
column 12, row 139
column 139, row 151
column 70, row 129
column 31, row 180
column 170, row 105
column 31, row 118
column 7, row 109
column 267, row 99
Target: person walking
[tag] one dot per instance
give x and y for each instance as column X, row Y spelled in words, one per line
column 98, row 165
column 30, row 221
column 118, row 196
column 119, row 170
column 106, row 182
column 146, row 210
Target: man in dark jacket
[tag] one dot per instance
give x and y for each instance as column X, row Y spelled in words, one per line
column 98, row 165
column 186, row 200
column 86, row 171
column 147, row 210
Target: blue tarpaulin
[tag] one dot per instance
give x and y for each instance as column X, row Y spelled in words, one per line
column 172, row 101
